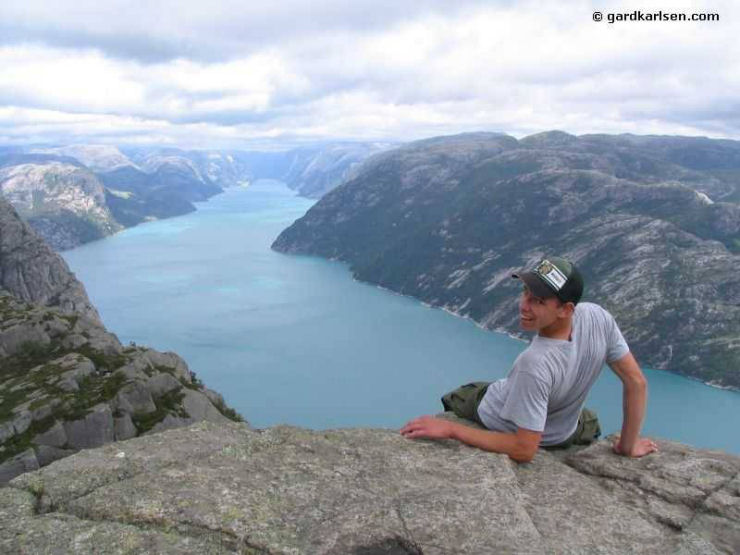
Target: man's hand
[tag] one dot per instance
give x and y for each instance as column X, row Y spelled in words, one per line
column 429, row 427
column 643, row 446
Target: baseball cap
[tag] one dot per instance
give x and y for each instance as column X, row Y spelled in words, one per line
column 554, row 277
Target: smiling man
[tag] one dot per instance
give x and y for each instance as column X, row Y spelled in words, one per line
column 541, row 401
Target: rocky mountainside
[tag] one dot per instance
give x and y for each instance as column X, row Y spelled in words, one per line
column 228, row 489
column 65, row 203
column 32, row 272
column 311, row 171
column 98, row 158
column 66, row 383
column 447, row 220
column 315, row 172
column 78, row 193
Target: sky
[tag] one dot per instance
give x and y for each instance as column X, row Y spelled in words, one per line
column 229, row 73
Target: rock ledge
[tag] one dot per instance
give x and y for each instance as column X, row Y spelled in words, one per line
column 227, row 488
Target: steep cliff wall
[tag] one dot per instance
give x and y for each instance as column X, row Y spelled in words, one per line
column 66, row 383
column 31, row 271
column 447, row 220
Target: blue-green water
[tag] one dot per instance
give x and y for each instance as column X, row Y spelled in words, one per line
column 294, row 339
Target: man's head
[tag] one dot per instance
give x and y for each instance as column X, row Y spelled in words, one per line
column 551, row 291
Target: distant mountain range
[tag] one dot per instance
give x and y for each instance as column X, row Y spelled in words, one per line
column 654, row 223
column 78, row 193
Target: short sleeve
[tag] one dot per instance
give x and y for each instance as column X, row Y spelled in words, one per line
column 616, row 346
column 526, row 403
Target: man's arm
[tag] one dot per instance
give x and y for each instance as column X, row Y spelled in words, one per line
column 520, row 446
column 634, row 400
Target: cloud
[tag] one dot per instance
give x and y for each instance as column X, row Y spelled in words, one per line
column 160, row 30
column 295, row 71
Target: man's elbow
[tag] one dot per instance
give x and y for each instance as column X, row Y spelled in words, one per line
column 637, row 382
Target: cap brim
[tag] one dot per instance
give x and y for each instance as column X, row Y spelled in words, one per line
column 538, row 287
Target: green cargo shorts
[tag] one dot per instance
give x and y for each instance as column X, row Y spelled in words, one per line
column 464, row 402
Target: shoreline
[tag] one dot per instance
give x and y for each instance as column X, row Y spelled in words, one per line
column 504, row 331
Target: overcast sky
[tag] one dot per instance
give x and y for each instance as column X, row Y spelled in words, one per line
column 230, row 73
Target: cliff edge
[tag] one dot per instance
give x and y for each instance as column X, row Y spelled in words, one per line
column 66, row 383
column 225, row 488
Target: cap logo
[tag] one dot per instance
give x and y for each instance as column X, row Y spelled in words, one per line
column 551, row 274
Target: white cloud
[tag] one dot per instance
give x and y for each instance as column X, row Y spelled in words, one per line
column 232, row 74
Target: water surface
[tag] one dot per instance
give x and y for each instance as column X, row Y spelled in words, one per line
column 294, row 339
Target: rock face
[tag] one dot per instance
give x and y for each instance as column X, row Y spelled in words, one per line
column 99, row 158
column 63, row 202
column 65, row 382
column 78, row 193
column 32, row 272
column 315, row 172
column 226, row 488
column 447, row 220
column 312, row 171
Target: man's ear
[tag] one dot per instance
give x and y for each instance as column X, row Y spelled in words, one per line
column 567, row 309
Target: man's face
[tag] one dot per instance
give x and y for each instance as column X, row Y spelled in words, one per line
column 537, row 313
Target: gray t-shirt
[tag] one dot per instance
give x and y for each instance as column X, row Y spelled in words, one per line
column 548, row 384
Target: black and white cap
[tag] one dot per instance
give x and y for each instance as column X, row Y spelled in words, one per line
column 554, row 277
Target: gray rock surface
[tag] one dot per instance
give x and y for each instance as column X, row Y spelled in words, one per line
column 20, row 463
column 47, row 454
column 162, row 383
column 31, row 271
column 93, row 430
column 134, row 398
column 123, row 428
column 54, row 436
column 66, row 383
column 64, row 202
column 227, row 488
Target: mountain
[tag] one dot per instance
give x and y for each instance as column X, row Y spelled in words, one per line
column 32, row 272
column 98, row 158
column 65, row 203
column 74, row 194
column 447, row 220
column 313, row 170
column 66, row 383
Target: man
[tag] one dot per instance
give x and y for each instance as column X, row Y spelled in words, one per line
column 540, row 401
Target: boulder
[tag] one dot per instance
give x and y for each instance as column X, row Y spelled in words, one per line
column 123, row 428
column 53, row 437
column 46, row 454
column 14, row 337
column 22, row 462
column 134, row 370
column 169, row 360
column 162, row 383
column 7, row 430
column 199, row 407
column 93, row 430
column 74, row 368
column 22, row 421
column 134, row 398
column 215, row 397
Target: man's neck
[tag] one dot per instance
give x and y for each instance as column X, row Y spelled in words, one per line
column 560, row 329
